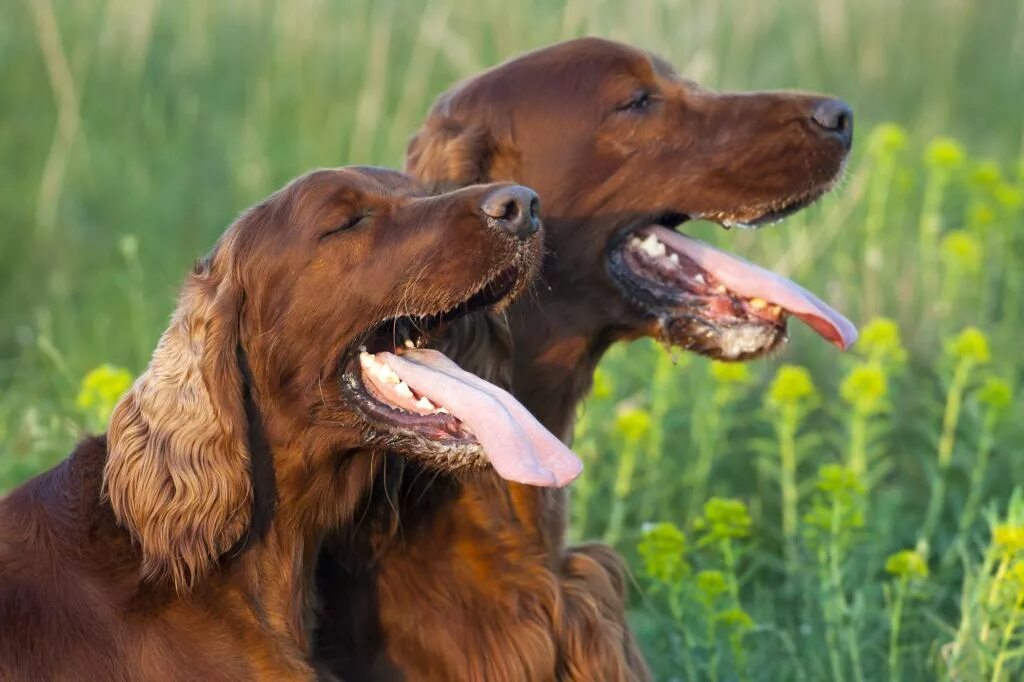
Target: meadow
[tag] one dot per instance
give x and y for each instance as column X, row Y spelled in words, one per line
column 813, row 516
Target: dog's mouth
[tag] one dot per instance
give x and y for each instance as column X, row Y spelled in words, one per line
column 417, row 399
column 710, row 301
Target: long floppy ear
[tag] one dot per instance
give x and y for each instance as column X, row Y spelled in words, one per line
column 445, row 154
column 177, row 471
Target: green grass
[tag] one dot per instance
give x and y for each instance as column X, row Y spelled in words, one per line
column 134, row 130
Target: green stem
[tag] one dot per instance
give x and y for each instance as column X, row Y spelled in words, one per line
column 858, row 458
column 620, row 492
column 1004, row 642
column 787, row 481
column 950, row 418
column 661, row 402
column 895, row 619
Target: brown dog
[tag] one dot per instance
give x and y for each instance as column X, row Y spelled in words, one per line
column 180, row 546
column 477, row 585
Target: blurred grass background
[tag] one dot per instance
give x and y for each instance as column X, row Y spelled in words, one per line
column 133, row 131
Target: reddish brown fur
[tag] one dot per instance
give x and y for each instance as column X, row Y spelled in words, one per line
column 180, row 546
column 472, row 580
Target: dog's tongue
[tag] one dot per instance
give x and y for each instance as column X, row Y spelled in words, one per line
column 751, row 281
column 515, row 443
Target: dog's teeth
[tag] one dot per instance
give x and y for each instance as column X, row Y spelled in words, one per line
column 776, row 310
column 652, row 246
column 674, row 257
column 409, row 343
column 699, row 278
column 758, row 303
column 441, row 410
column 402, row 389
column 720, row 289
column 425, row 404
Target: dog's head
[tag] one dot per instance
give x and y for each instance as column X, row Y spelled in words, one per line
column 289, row 333
column 622, row 150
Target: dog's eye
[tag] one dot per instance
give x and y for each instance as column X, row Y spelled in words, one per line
column 347, row 224
column 640, row 101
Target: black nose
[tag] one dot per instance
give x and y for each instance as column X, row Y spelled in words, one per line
column 835, row 117
column 513, row 208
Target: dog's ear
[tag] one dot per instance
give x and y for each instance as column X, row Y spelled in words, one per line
column 446, row 154
column 177, row 472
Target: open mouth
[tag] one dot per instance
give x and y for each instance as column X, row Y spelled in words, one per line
column 713, row 302
column 418, row 399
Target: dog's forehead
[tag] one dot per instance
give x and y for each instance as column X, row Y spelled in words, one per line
column 585, row 65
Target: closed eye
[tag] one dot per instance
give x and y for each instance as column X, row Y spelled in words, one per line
column 348, row 224
column 639, row 101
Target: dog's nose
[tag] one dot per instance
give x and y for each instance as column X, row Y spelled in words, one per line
column 513, row 208
column 835, row 117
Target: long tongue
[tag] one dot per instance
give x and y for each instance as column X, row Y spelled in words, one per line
column 751, row 281
column 515, row 443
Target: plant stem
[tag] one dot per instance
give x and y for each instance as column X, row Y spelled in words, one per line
column 895, row 619
column 950, row 418
column 787, row 481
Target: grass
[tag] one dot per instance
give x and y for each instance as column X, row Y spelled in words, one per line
column 809, row 517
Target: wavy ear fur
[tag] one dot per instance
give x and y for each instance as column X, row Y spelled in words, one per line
column 177, row 471
column 444, row 154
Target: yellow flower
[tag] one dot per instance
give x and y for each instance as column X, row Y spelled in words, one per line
column 880, row 341
column 944, row 153
column 1008, row 196
column 723, row 519
column 887, row 139
column 730, row 372
column 633, row 424
column 736, row 618
column 970, row 344
column 981, row 215
column 1008, row 538
column 792, row 386
column 962, row 250
column 602, row 384
column 101, row 389
column 995, row 393
column 712, row 584
column 865, row 388
column 986, row 174
column 907, row 563
column 663, row 550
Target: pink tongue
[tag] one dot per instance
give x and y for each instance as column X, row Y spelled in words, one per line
column 515, row 443
column 750, row 281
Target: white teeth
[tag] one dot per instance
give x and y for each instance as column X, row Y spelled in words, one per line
column 674, row 257
column 652, row 246
column 425, row 404
column 699, row 279
column 409, row 343
column 758, row 303
column 441, row 410
column 402, row 389
column 720, row 289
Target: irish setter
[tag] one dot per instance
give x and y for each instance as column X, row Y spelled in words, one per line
column 181, row 545
column 475, row 584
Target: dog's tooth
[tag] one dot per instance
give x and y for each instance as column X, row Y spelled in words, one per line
column 409, row 343
column 441, row 410
column 652, row 246
column 674, row 257
column 699, row 279
column 720, row 289
column 425, row 404
column 758, row 303
column 776, row 310
column 402, row 389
